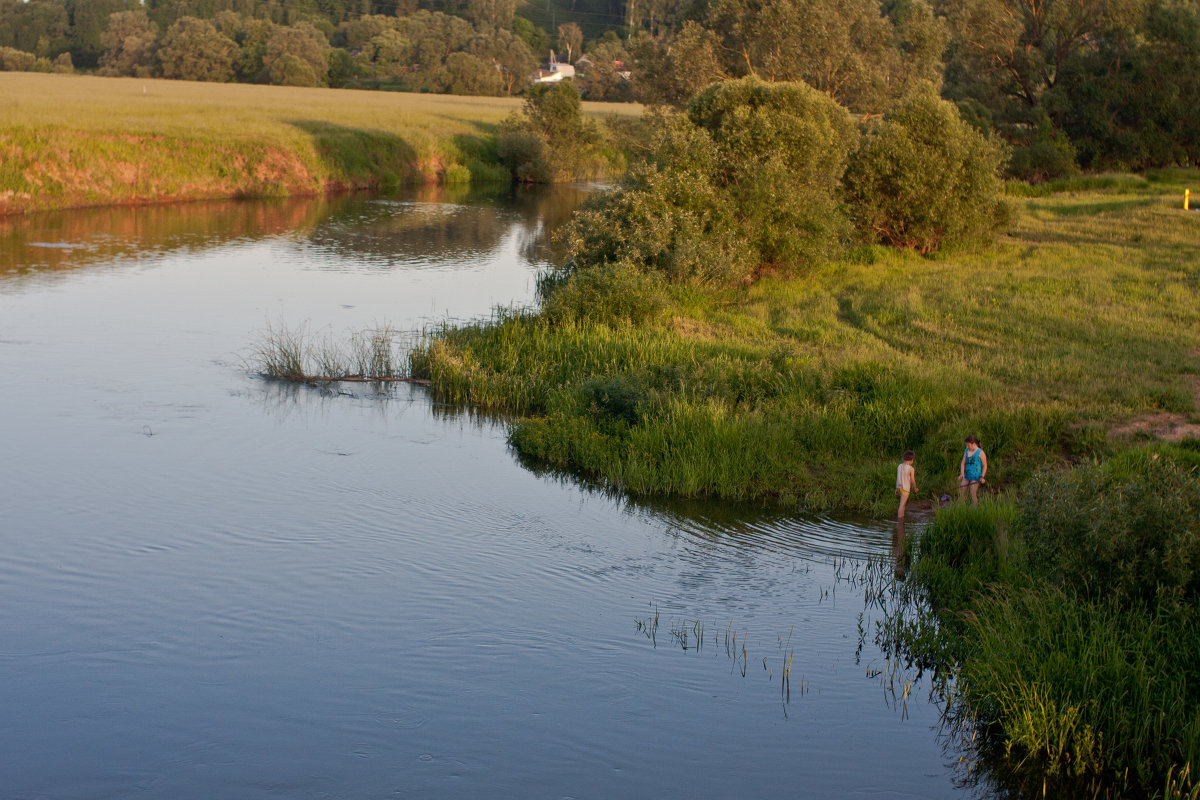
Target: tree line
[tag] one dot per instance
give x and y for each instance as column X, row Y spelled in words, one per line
column 1068, row 84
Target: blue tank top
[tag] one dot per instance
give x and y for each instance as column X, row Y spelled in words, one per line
column 973, row 469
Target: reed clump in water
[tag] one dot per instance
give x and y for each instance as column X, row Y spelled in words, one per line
column 295, row 354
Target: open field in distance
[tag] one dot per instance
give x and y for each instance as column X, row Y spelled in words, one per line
column 69, row 141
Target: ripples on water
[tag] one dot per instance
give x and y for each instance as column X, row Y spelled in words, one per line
column 213, row 585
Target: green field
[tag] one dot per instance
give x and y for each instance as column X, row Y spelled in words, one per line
column 69, row 141
column 1075, row 336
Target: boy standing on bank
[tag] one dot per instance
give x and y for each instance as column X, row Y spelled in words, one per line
column 906, row 481
column 973, row 468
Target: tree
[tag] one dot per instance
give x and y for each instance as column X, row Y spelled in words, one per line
column 923, row 178
column 509, row 55
column 295, row 56
column 42, row 28
column 570, row 39
column 491, row 14
column 129, row 44
column 193, row 50
column 89, row 19
column 607, row 60
column 550, row 139
column 1129, row 101
column 846, row 48
column 673, row 72
column 469, row 74
column 1008, row 53
column 747, row 179
column 13, row 60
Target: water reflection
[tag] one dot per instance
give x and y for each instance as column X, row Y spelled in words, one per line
column 427, row 227
column 451, row 227
column 899, row 552
column 55, row 242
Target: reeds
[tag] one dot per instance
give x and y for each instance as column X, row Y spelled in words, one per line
column 376, row 355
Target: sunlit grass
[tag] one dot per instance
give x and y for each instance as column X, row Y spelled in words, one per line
column 69, row 140
column 1085, row 315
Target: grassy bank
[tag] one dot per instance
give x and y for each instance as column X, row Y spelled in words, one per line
column 1074, row 337
column 1072, row 612
column 70, row 141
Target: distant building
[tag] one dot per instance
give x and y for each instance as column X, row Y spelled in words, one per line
column 552, row 71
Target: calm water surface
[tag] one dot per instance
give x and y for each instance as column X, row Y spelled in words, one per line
column 212, row 585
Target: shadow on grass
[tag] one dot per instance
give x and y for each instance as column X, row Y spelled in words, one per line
column 360, row 158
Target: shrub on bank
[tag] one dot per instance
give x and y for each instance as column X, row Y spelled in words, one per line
column 550, row 139
column 923, row 177
column 746, row 180
column 610, row 294
column 1131, row 533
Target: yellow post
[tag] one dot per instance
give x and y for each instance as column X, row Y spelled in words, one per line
column 1186, row 194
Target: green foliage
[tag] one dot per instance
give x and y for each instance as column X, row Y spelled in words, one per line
column 965, row 550
column 469, row 74
column 296, row 56
column 1129, row 531
column 1050, row 156
column 1086, row 691
column 746, row 181
column 129, row 44
column 805, row 392
column 923, row 178
column 780, row 151
column 614, row 400
column 550, row 139
column 1081, row 647
column 193, row 50
column 846, row 48
column 523, row 153
column 610, row 294
column 13, row 60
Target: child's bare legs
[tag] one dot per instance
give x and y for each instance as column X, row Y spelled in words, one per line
column 903, row 504
column 974, row 493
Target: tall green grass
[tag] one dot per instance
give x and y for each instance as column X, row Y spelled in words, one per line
column 1074, row 614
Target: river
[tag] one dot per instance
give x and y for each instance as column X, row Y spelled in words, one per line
column 215, row 585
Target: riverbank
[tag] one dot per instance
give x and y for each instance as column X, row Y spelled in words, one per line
column 72, row 141
column 1074, row 337
column 1068, row 617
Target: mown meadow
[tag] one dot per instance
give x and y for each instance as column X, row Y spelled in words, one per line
column 71, row 141
column 1076, row 335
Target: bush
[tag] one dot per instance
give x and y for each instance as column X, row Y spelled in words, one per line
column 746, row 180
column 923, row 177
column 1130, row 530
column 13, row 60
column 1048, row 157
column 781, row 150
column 608, row 294
column 523, row 152
column 550, row 139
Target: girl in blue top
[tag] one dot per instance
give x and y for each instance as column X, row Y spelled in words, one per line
column 973, row 468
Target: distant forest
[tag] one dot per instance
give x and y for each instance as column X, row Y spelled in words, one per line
column 1067, row 84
